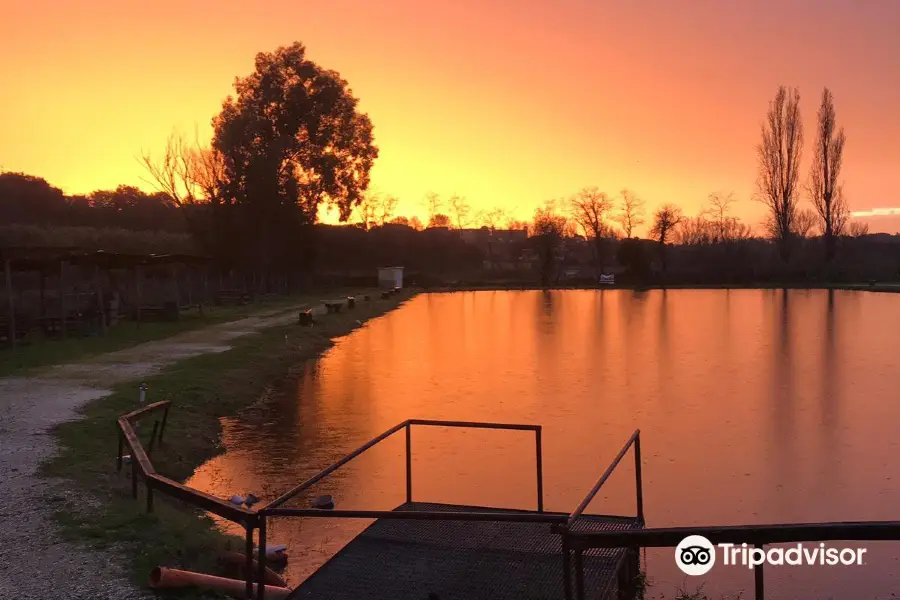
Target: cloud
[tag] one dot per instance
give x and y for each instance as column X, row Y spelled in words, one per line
column 876, row 212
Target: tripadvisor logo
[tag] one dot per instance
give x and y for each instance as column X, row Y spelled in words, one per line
column 696, row 555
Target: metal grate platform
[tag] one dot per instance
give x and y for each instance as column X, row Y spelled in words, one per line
column 396, row 559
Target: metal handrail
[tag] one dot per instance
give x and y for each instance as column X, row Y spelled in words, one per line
column 756, row 535
column 418, row 515
column 407, row 425
column 635, row 440
column 669, row 537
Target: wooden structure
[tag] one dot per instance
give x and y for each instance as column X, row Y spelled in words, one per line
column 79, row 273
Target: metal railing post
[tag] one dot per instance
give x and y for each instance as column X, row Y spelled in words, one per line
column 261, row 560
column 152, row 438
column 162, row 427
column 248, row 559
column 121, row 449
column 540, row 469
column 408, row 462
column 566, row 567
column 758, row 583
column 134, row 476
column 579, row 574
column 638, row 478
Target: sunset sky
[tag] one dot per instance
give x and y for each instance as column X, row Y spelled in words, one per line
column 507, row 102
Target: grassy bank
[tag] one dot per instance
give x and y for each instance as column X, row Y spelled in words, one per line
column 39, row 352
column 203, row 389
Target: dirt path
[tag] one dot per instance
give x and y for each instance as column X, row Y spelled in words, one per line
column 35, row 563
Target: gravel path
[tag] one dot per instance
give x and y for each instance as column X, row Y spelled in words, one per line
column 35, row 563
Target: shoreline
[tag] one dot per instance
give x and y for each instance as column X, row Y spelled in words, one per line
column 863, row 287
column 204, row 387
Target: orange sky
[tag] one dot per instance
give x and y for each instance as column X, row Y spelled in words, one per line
column 508, row 102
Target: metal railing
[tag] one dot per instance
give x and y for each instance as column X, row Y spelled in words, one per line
column 756, row 535
column 276, row 508
column 142, row 468
column 566, row 529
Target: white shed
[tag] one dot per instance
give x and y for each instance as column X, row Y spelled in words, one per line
column 390, row 277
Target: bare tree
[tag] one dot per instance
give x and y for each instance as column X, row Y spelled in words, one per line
column 719, row 204
column 697, row 231
column 631, row 212
column 459, row 211
column 590, row 208
column 171, row 172
column 779, row 165
column 367, row 210
column 386, row 205
column 493, row 218
column 804, row 223
column 665, row 220
column 186, row 172
column 857, row 229
column 824, row 187
column 433, row 205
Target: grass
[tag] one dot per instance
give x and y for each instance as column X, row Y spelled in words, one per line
column 203, row 389
column 41, row 352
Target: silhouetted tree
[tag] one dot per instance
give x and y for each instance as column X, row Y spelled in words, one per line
column 416, row 224
column 367, row 209
column 857, row 229
column 632, row 254
column 400, row 220
column 439, row 220
column 26, row 199
column 824, row 186
column 665, row 220
column 547, row 232
column 459, row 211
column 804, row 223
column 434, row 205
column 292, row 140
column 590, row 209
column 779, row 165
column 493, row 218
column 387, row 204
column 631, row 213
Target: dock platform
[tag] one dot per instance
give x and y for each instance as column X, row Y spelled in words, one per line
column 437, row 551
column 395, row 559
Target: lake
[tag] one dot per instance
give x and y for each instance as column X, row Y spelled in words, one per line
column 755, row 406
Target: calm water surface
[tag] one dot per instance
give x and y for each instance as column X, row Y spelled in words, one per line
column 755, row 406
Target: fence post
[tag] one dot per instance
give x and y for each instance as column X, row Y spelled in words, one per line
column 149, row 495
column 261, row 560
column 152, row 438
column 638, row 478
column 579, row 574
column 162, row 427
column 121, row 448
column 539, row 460
column 567, row 575
column 408, row 462
column 759, row 585
column 248, row 558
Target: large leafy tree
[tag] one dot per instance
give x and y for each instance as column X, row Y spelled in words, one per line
column 291, row 139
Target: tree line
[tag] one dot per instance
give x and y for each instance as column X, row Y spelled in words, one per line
column 291, row 141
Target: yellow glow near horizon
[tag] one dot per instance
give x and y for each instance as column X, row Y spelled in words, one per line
column 508, row 103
